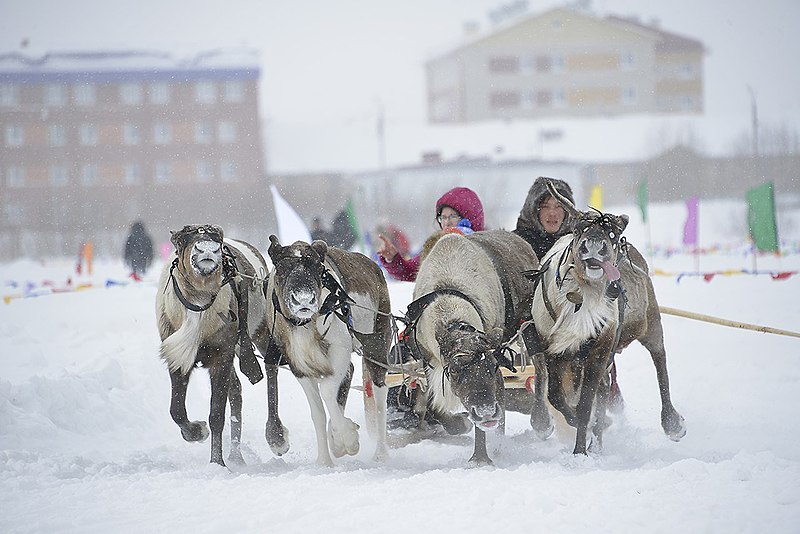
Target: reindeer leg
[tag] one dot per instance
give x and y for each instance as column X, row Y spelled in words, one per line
column 480, row 456
column 235, row 401
column 671, row 421
column 342, row 432
column 592, row 371
column 276, row 434
column 220, row 384
column 555, row 391
column 602, row 420
column 541, row 422
column 311, row 389
column 190, row 430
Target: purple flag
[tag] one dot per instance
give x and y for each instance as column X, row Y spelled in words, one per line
column 690, row 226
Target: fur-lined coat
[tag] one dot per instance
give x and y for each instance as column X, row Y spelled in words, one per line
column 528, row 225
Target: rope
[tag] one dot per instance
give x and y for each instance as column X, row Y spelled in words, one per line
column 725, row 322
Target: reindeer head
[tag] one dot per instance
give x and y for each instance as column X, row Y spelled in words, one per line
column 199, row 246
column 298, row 277
column 470, row 365
column 597, row 238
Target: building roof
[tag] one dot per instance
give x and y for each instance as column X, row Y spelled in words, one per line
column 128, row 65
column 664, row 41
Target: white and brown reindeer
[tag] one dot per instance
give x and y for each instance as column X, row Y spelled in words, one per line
column 324, row 303
column 470, row 296
column 210, row 307
column 594, row 297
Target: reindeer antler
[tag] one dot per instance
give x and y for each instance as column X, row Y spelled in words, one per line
column 569, row 207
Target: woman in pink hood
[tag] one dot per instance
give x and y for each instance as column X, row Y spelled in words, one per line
column 459, row 209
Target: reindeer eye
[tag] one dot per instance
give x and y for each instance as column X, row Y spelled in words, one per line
column 611, row 235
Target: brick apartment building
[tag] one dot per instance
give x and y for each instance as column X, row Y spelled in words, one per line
column 566, row 63
column 92, row 141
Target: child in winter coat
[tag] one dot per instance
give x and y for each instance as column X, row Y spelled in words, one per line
column 460, row 208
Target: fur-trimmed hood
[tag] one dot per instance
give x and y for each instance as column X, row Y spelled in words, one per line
column 529, row 216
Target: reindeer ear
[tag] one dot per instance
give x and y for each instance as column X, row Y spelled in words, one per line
column 274, row 248
column 320, row 247
column 623, row 222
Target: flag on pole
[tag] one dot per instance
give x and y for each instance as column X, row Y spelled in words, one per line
column 690, row 226
column 642, row 197
column 596, row 198
column 761, row 217
column 291, row 227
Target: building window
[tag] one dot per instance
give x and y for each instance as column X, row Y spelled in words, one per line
column 686, row 71
column 163, row 173
column 162, row 133
column 203, row 133
column 130, row 93
column 529, row 100
column 228, row 171
column 87, row 133
column 627, row 61
column 233, row 91
column 559, row 98
column 57, row 135
column 15, row 176
column 14, row 135
column 133, row 174
column 504, row 99
column 559, row 63
column 89, row 174
column 504, row 65
column 204, row 171
column 59, row 176
column 544, row 99
column 159, row 93
column 84, row 94
column 205, row 92
column 543, row 63
column 55, row 95
column 131, row 134
column 15, row 214
column 9, row 94
column 629, row 96
column 226, row 132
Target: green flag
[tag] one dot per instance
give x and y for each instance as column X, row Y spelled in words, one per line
column 761, row 217
column 352, row 220
column 642, row 198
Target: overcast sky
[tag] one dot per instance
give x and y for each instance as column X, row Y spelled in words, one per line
column 328, row 66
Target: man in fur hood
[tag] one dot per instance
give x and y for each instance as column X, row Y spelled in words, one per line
column 542, row 220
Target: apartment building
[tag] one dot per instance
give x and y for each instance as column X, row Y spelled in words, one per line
column 92, row 141
column 566, row 63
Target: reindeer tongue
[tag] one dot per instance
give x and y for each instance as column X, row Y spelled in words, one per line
column 612, row 273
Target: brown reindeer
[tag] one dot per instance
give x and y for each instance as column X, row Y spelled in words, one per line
column 324, row 303
column 210, row 307
column 593, row 298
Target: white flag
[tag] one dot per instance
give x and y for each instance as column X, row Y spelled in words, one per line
column 291, row 227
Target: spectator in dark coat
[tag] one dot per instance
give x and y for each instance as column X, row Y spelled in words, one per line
column 542, row 220
column 458, row 208
column 138, row 250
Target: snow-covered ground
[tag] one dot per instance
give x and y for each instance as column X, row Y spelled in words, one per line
column 87, row 443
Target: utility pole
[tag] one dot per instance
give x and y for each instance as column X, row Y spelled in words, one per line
column 754, row 118
column 380, row 132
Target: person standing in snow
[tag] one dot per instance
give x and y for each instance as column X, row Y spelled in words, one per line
column 543, row 221
column 138, row 250
column 459, row 209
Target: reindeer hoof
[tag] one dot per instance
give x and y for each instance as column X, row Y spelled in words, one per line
column 235, row 457
column 196, row 431
column 343, row 439
column 674, row 425
column 479, row 461
column 277, row 437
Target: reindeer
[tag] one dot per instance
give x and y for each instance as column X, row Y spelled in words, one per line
column 593, row 297
column 470, row 296
column 323, row 304
column 212, row 300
